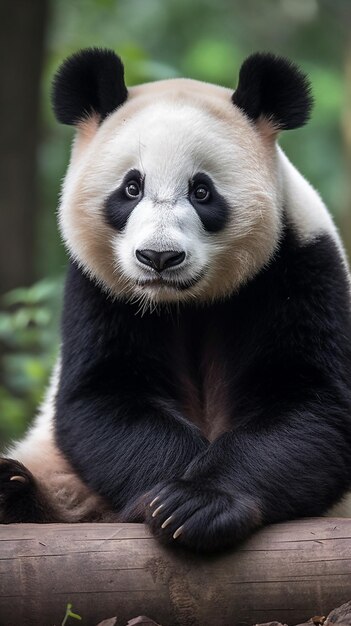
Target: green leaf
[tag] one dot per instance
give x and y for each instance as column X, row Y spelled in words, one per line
column 69, row 614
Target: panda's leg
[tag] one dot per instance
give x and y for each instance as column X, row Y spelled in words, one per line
column 21, row 497
column 36, row 482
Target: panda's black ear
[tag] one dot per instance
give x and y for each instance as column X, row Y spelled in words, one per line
column 273, row 88
column 88, row 82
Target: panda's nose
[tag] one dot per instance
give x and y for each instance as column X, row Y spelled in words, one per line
column 160, row 260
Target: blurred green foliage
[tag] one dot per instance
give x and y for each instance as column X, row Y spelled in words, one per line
column 160, row 39
column 29, row 322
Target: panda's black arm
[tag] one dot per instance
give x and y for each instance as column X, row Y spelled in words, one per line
column 288, row 453
column 124, row 446
column 292, row 465
column 116, row 418
column 296, row 465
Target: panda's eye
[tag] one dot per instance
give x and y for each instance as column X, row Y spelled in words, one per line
column 202, row 193
column 132, row 189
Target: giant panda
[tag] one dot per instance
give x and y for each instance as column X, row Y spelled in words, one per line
column 204, row 378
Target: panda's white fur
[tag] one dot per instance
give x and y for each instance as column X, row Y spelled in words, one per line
column 72, row 499
column 169, row 130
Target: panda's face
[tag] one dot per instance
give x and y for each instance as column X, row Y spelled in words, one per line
column 173, row 197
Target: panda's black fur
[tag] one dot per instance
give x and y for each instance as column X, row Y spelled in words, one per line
column 90, row 81
column 282, row 342
column 285, row 342
column 273, row 87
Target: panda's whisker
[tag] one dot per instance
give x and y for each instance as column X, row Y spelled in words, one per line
column 140, row 157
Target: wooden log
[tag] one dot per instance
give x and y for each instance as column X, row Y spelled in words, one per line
column 287, row 572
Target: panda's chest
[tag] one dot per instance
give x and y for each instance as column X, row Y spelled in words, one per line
column 203, row 380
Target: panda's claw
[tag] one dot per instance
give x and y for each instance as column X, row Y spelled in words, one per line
column 156, row 511
column 167, row 521
column 154, row 501
column 20, row 479
column 178, row 532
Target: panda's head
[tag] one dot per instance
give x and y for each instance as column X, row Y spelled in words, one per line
column 172, row 192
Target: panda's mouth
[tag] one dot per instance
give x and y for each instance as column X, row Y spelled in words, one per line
column 160, row 282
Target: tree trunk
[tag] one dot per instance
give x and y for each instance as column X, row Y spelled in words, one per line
column 287, row 572
column 22, row 29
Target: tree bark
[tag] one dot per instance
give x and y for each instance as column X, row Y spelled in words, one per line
column 285, row 573
column 22, row 29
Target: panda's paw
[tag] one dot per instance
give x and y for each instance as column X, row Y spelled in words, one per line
column 201, row 518
column 17, row 491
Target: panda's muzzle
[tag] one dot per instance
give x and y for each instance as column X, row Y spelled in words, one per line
column 158, row 283
column 160, row 261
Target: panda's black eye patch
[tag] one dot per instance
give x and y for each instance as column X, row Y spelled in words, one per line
column 210, row 205
column 121, row 202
